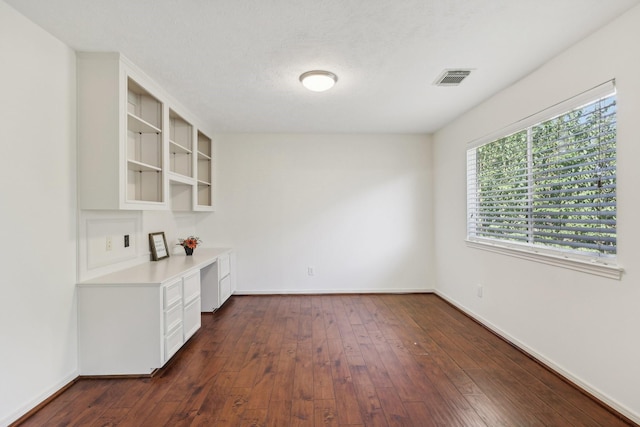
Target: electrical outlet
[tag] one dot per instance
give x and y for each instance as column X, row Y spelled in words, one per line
column 479, row 290
column 109, row 245
column 310, row 271
column 126, row 240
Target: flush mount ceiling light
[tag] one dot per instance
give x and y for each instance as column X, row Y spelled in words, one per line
column 318, row 80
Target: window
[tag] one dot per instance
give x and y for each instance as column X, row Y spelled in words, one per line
column 549, row 184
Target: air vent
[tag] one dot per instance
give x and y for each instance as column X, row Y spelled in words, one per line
column 451, row 77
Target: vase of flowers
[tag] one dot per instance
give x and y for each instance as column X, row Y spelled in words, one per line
column 189, row 244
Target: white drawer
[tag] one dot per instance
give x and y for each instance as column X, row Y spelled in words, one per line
column 172, row 318
column 172, row 293
column 191, row 285
column 191, row 318
column 172, row 343
column 223, row 266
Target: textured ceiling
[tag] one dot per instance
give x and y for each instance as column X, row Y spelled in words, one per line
column 236, row 62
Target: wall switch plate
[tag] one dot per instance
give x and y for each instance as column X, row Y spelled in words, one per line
column 126, row 240
column 310, row 271
column 479, row 291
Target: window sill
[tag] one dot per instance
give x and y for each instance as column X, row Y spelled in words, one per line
column 586, row 266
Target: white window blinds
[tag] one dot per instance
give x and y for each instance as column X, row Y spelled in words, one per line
column 550, row 184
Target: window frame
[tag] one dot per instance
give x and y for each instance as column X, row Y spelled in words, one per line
column 605, row 266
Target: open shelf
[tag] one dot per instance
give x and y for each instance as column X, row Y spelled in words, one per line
column 204, row 145
column 176, row 148
column 144, row 145
column 202, row 156
column 144, row 185
column 204, row 172
column 204, row 194
column 133, row 165
column 180, row 179
column 136, row 124
column 143, row 106
column 181, row 196
column 180, row 145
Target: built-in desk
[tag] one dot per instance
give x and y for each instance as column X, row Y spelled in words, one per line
column 131, row 322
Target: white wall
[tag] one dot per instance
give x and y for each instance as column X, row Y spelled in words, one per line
column 585, row 325
column 95, row 226
column 38, row 350
column 356, row 208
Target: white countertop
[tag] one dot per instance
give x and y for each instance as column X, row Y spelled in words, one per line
column 156, row 272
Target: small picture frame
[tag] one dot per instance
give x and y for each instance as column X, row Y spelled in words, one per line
column 158, row 244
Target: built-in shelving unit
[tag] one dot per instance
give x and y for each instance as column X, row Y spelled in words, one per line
column 180, row 145
column 138, row 148
column 144, row 145
column 205, row 184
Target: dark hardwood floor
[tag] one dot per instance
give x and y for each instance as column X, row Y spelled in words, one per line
column 350, row 360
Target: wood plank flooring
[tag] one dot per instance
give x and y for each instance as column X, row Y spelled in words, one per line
column 344, row 360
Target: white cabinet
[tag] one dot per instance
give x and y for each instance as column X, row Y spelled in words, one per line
column 133, row 321
column 120, row 135
column 120, row 329
column 218, row 282
column 136, row 143
column 135, row 329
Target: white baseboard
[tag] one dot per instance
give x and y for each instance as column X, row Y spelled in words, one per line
column 332, row 291
column 613, row 404
column 15, row 415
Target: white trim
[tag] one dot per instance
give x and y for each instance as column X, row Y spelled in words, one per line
column 33, row 403
column 617, row 406
column 586, row 97
column 333, row 291
column 587, row 265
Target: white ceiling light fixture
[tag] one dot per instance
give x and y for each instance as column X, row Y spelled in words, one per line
column 318, row 80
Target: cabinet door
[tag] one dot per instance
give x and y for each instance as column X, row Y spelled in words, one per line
column 210, row 294
column 119, row 330
column 225, row 289
column 223, row 266
column 191, row 318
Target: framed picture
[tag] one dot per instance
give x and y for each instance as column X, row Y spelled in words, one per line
column 158, row 244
